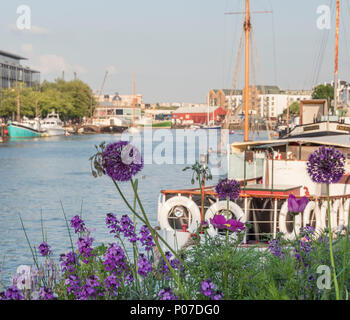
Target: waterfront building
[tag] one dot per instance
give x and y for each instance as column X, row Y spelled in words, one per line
column 198, row 115
column 12, row 71
column 265, row 101
column 117, row 99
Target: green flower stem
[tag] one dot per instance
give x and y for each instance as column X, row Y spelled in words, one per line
column 134, row 244
column 157, row 243
column 331, row 245
column 145, row 221
column 345, row 256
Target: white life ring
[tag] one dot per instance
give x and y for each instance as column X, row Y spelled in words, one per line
column 189, row 204
column 283, row 226
column 307, row 213
column 215, row 208
column 344, row 214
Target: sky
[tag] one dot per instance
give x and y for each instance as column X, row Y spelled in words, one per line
column 177, row 49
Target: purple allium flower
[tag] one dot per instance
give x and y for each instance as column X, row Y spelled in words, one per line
column 46, row 294
column 228, row 189
column 84, row 247
column 78, row 224
column 275, row 248
column 167, row 294
column 296, row 205
column 121, row 161
column 146, row 238
column 69, row 261
column 326, row 165
column 144, row 266
column 207, row 287
column 13, row 293
column 44, row 249
column 115, row 259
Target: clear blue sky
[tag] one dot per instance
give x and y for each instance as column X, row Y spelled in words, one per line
column 178, row 49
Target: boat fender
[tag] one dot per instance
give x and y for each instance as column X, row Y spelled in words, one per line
column 221, row 206
column 283, row 225
column 190, row 205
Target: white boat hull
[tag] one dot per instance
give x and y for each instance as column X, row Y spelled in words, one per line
column 55, row 131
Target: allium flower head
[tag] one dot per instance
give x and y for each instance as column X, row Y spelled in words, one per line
column 121, row 161
column 228, row 189
column 326, row 165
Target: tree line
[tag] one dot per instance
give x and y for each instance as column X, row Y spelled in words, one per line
column 70, row 99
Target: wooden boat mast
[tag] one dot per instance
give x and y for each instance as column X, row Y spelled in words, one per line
column 336, row 58
column 247, row 27
column 133, row 100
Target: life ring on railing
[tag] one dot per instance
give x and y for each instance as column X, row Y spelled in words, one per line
column 344, row 215
column 307, row 212
column 220, row 207
column 283, row 225
column 180, row 209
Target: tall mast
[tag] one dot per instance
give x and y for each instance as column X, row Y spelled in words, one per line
column 133, row 100
column 18, row 103
column 336, row 58
column 247, row 27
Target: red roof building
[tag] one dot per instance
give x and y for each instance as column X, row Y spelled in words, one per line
column 199, row 115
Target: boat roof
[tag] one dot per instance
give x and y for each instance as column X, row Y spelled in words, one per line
column 340, row 141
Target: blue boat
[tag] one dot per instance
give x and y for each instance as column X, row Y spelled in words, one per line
column 26, row 129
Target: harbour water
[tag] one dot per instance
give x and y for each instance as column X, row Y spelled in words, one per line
column 39, row 174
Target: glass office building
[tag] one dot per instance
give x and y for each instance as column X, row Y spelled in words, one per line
column 12, row 71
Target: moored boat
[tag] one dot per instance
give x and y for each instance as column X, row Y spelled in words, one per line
column 269, row 171
column 53, row 125
column 25, row 129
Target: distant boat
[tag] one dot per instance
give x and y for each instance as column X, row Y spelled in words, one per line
column 53, row 125
column 25, row 129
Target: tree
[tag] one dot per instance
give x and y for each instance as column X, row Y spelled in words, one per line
column 323, row 92
column 71, row 100
column 293, row 108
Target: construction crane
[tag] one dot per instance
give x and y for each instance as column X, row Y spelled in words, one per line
column 100, row 93
column 103, row 82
